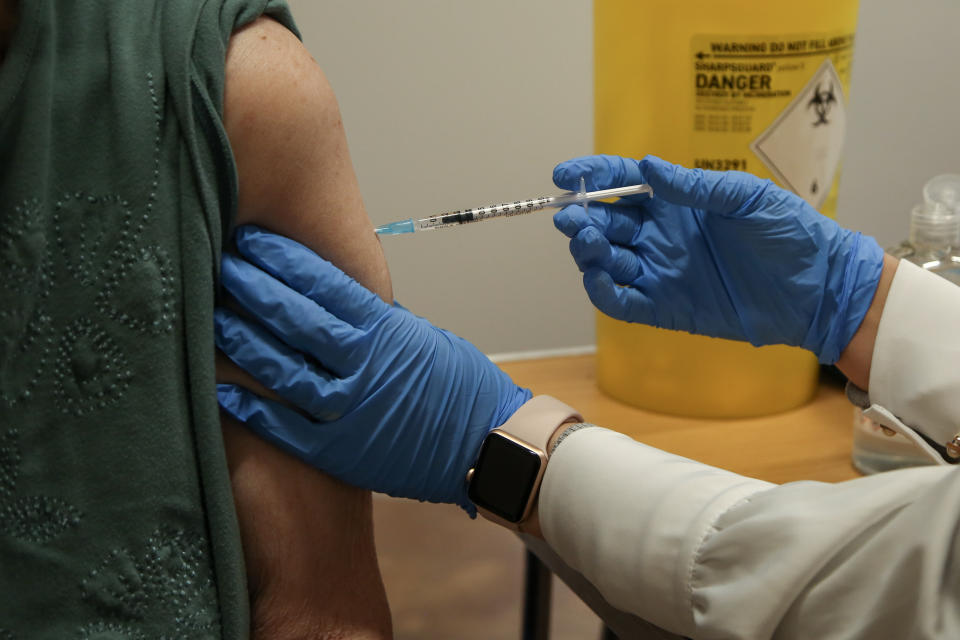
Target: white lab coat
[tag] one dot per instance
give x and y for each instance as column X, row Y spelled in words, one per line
column 711, row 554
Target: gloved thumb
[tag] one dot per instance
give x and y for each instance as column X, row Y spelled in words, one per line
column 723, row 192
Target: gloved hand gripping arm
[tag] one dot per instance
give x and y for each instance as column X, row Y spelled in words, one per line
column 721, row 254
column 378, row 397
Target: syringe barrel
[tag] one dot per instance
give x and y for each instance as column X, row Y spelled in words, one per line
column 520, row 207
column 477, row 214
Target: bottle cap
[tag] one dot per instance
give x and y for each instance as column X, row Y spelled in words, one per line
column 943, row 189
column 933, row 225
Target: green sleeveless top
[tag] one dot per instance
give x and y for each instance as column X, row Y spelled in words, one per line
column 116, row 187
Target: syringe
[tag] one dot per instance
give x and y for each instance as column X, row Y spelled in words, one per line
column 520, row 207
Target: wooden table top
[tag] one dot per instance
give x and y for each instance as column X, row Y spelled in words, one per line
column 809, row 443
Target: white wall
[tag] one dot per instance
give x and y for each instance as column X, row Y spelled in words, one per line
column 450, row 105
column 454, row 104
column 904, row 123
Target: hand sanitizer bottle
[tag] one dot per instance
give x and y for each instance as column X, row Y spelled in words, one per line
column 934, row 244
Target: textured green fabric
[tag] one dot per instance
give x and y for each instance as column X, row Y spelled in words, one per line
column 116, row 185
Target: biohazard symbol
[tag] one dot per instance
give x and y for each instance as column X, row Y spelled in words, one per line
column 821, row 102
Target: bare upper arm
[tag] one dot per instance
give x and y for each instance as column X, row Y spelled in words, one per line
column 295, row 173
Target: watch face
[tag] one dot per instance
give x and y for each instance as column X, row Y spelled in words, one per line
column 503, row 477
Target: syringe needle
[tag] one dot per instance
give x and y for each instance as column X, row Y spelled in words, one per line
column 396, row 228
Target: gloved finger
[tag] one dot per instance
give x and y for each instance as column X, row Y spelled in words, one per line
column 598, row 172
column 723, row 192
column 295, row 319
column 620, row 223
column 286, row 371
column 621, row 303
column 285, row 428
column 592, row 250
column 571, row 219
column 575, row 217
column 589, row 248
column 310, row 275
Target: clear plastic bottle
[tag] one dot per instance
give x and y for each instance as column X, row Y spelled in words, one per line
column 934, row 244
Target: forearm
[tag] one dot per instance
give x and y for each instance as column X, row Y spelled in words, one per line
column 708, row 553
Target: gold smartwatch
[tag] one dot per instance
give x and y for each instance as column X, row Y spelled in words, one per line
column 505, row 480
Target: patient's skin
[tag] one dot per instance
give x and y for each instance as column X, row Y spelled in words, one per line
column 308, row 539
column 9, row 15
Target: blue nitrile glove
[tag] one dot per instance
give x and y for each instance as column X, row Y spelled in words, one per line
column 381, row 398
column 721, row 254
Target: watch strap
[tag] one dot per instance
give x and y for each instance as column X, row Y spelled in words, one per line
column 537, row 419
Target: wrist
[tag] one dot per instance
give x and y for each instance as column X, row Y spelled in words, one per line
column 531, row 525
column 516, row 398
column 504, row 482
column 857, row 357
column 853, row 271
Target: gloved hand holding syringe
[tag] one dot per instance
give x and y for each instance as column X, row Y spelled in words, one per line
column 520, row 207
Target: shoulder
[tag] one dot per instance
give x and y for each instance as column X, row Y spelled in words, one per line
column 279, row 109
column 270, row 72
column 266, row 51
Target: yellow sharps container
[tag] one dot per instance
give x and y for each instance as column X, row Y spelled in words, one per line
column 748, row 85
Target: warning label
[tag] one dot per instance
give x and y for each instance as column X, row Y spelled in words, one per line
column 803, row 145
column 772, row 103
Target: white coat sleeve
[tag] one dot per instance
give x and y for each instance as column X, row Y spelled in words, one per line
column 916, row 359
column 710, row 554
